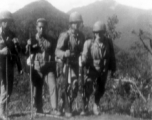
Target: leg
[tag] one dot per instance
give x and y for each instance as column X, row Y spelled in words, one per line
column 37, row 79
column 88, row 87
column 101, row 81
column 3, row 92
column 73, row 91
column 59, row 94
column 100, row 89
column 66, row 102
column 63, row 95
column 62, row 87
column 10, row 81
column 51, row 83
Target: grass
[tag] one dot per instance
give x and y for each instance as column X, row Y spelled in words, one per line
column 91, row 117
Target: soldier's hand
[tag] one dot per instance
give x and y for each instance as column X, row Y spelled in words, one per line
column 5, row 51
column 21, row 72
column 80, row 61
column 113, row 75
column 97, row 37
column 67, row 53
column 80, row 88
column 29, row 42
column 15, row 40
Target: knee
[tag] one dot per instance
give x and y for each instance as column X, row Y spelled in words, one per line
column 88, row 87
column 51, row 80
column 100, row 91
column 53, row 91
column 51, row 75
column 62, row 82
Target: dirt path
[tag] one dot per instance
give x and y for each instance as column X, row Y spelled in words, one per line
column 101, row 117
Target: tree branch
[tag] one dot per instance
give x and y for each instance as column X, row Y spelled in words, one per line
column 140, row 36
column 133, row 83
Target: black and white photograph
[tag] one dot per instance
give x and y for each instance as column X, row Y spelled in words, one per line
column 75, row 59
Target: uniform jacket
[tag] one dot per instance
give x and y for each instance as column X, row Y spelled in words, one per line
column 6, row 40
column 69, row 41
column 43, row 53
column 99, row 56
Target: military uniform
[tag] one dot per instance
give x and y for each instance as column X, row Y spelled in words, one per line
column 74, row 43
column 43, row 69
column 6, row 40
column 99, row 58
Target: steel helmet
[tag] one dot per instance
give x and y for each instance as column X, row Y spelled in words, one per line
column 43, row 20
column 6, row 15
column 99, row 26
column 75, row 17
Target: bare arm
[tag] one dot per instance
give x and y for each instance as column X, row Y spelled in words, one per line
column 62, row 46
column 4, row 51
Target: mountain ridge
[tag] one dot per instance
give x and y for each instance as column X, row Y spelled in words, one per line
column 25, row 19
column 130, row 19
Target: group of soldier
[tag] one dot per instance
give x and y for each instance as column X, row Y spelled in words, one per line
column 73, row 66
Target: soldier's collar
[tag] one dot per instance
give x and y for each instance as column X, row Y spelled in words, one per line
column 98, row 41
column 38, row 37
column 102, row 41
column 73, row 34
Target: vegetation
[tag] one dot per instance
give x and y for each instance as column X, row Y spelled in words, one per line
column 129, row 93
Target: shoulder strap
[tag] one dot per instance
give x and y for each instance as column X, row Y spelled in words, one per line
column 92, row 41
column 68, row 39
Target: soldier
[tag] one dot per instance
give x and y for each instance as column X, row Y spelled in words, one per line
column 43, row 69
column 68, row 50
column 98, row 57
column 9, row 49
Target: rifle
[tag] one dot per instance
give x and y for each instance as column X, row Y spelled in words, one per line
column 7, row 87
column 18, row 60
column 68, row 77
column 31, row 85
column 81, row 80
column 18, row 63
column 6, row 75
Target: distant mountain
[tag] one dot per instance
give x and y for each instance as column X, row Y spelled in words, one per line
column 129, row 18
column 25, row 19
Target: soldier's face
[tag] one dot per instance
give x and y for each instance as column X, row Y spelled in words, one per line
column 41, row 27
column 99, row 35
column 75, row 26
column 5, row 24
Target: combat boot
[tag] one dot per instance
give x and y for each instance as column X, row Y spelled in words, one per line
column 55, row 112
column 39, row 111
column 95, row 109
column 2, row 115
column 83, row 113
column 68, row 114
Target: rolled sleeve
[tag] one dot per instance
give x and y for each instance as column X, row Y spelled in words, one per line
column 62, row 46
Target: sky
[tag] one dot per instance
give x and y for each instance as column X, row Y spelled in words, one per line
column 66, row 5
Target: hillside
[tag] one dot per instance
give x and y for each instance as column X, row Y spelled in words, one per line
column 129, row 18
column 25, row 19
